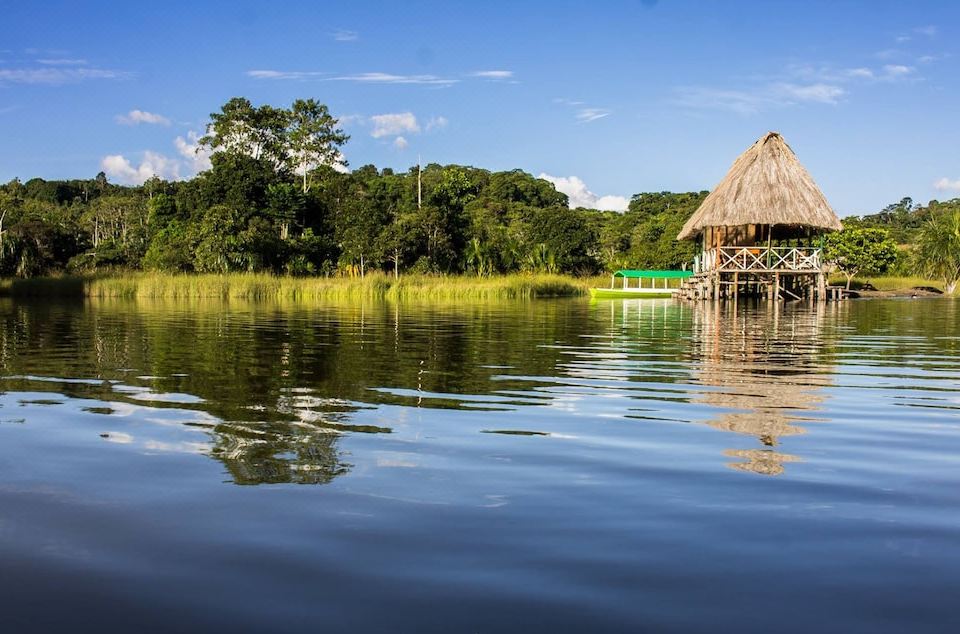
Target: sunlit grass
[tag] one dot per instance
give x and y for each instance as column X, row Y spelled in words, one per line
column 256, row 286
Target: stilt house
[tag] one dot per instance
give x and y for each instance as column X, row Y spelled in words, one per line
column 760, row 230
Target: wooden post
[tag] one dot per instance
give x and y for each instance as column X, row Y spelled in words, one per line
column 776, row 286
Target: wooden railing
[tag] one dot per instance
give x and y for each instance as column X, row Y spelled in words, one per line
column 759, row 259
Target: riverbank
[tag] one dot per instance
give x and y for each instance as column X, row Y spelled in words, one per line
column 880, row 287
column 259, row 286
column 256, row 286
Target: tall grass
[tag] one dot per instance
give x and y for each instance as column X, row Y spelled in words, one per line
column 256, row 286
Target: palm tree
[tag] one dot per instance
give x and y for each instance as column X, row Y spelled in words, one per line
column 938, row 249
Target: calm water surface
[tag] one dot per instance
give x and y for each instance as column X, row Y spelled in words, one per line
column 540, row 466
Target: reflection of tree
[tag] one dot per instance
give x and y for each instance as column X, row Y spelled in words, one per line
column 762, row 368
column 286, row 380
column 273, row 453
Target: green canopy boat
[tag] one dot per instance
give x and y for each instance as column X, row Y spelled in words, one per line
column 648, row 284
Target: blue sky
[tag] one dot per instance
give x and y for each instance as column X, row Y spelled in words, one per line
column 607, row 98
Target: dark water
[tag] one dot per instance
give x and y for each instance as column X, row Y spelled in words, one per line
column 547, row 466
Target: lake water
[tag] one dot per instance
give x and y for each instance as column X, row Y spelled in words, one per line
column 544, row 466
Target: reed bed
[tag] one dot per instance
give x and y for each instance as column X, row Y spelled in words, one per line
column 256, row 286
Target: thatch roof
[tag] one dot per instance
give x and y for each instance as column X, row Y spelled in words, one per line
column 767, row 185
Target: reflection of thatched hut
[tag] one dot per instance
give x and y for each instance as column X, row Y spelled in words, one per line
column 762, row 221
column 763, row 375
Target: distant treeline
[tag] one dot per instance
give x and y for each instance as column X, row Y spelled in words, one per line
column 256, row 213
column 274, row 202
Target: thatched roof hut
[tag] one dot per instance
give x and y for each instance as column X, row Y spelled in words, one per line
column 767, row 186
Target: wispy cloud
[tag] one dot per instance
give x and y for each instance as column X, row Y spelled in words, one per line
column 343, row 35
column 389, row 78
column 62, row 61
column 797, row 84
column 365, row 78
column 54, row 76
column 493, row 74
column 896, row 71
column 400, row 143
column 945, row 184
column 818, row 93
column 285, row 74
column 136, row 117
column 930, row 30
column 586, row 115
column 743, row 102
column 436, row 123
column 583, row 113
column 394, row 124
column 581, row 196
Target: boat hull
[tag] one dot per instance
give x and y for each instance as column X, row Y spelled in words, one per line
column 631, row 293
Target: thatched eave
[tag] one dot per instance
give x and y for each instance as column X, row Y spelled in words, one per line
column 766, row 185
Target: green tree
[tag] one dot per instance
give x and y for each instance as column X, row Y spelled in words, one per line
column 170, row 249
column 860, row 250
column 219, row 241
column 313, row 139
column 241, row 129
column 938, row 249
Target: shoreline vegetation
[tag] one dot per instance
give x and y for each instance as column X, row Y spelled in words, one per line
column 275, row 212
column 375, row 285
column 264, row 286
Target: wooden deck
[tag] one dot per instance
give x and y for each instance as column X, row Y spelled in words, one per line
column 760, row 260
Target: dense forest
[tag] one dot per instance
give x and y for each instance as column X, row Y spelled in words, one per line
column 271, row 202
column 277, row 199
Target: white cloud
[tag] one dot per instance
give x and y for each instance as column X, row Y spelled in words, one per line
column 387, row 78
column 493, row 74
column 753, row 100
column 739, row 101
column 345, row 36
column 365, row 78
column 819, row 93
column 284, row 74
column 56, row 75
column 119, row 168
column 62, row 61
column 861, row 73
column 586, row 115
column 190, row 149
column 400, row 143
column 394, row 124
column 576, row 190
column 929, row 30
column 436, row 123
column 135, row 117
column 195, row 158
column 945, row 184
column 896, row 71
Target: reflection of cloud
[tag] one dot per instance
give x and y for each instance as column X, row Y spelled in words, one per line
column 177, row 447
column 117, row 437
